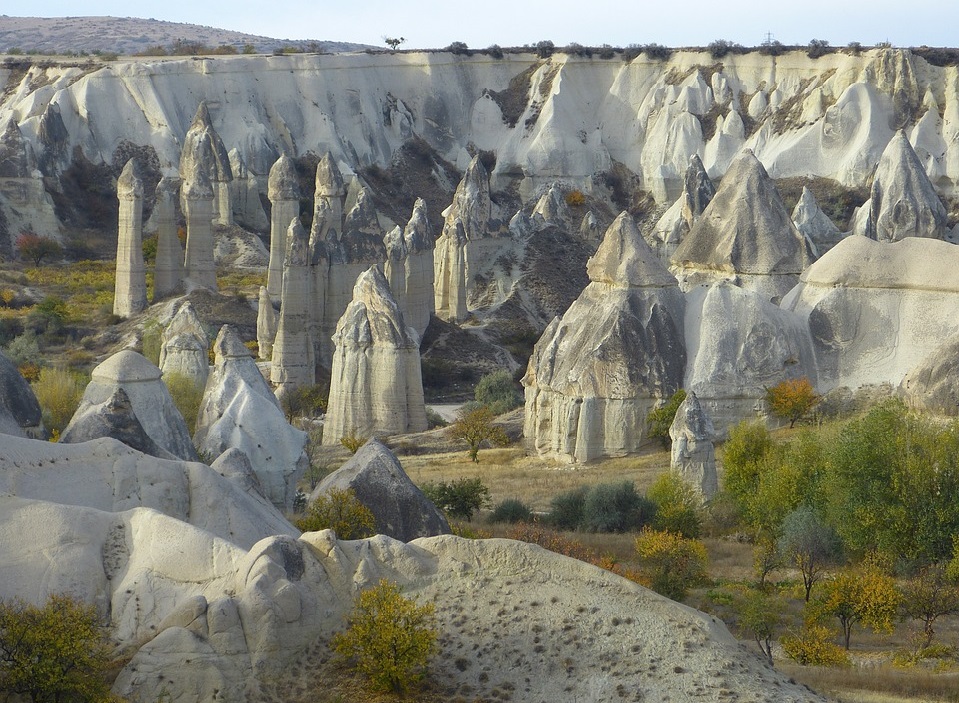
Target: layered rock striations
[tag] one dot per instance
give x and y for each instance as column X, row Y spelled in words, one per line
column 184, row 347
column 377, row 387
column 903, row 202
column 25, row 205
column 130, row 291
column 293, row 355
column 420, row 245
column 239, row 411
column 197, row 195
column 693, row 455
column 168, row 269
column 285, row 207
column 619, row 349
column 877, row 310
column 745, row 236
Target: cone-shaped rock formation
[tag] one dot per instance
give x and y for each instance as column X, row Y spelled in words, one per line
column 693, row 455
column 130, row 291
column 184, row 348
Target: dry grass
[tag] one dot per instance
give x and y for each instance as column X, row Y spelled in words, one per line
column 881, row 684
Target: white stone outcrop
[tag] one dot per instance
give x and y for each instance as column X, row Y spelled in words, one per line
column 184, row 347
column 693, row 456
column 420, row 244
column 197, row 195
column 168, row 269
column 877, row 310
column 814, row 224
column 674, row 225
column 150, row 399
column 394, row 268
column 266, row 323
column 245, row 195
column 619, row 349
column 377, row 387
column 239, row 411
column 130, row 290
column 25, row 205
column 903, row 202
column 293, row 355
column 203, row 149
column 552, row 208
column 285, row 201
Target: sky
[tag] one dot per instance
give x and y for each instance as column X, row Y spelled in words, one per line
column 435, row 24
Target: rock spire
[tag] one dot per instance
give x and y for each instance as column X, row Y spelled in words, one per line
column 130, row 292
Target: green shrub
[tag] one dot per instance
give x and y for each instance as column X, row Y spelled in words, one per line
column 306, row 401
column 498, row 392
column 458, row 499
column 660, row 419
column 187, row 397
column 48, row 317
column 24, row 349
column 511, row 510
column 813, row 646
column 390, row 638
column 353, row 441
column 566, row 509
column 434, row 419
column 341, row 511
column 672, row 563
column 678, row 506
column 59, row 393
column 615, row 507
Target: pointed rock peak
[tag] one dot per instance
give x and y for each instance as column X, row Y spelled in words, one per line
column 552, row 206
column 929, row 100
column 126, row 366
column 186, row 321
column 698, row 189
column 228, row 345
column 297, row 245
column 899, row 151
column 283, row 183
column 371, row 285
column 476, row 171
column 196, row 182
column 264, row 296
column 418, row 233
column 624, row 259
column 362, row 216
column 395, row 245
column 201, row 120
column 129, row 184
column 329, row 180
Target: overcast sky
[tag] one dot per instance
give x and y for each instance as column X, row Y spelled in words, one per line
column 434, row 24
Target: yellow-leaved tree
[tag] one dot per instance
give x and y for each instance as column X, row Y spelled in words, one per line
column 341, row 511
column 792, row 399
column 867, row 596
column 671, row 562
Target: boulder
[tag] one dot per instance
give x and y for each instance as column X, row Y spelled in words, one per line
column 745, row 236
column 739, row 345
column 19, row 409
column 130, row 289
column 619, row 349
column 184, row 347
column 693, row 455
column 589, row 228
column 239, row 411
column 285, row 207
column 376, row 385
column 902, row 201
column 377, row 478
column 150, row 399
column 814, row 224
column 112, row 418
column 877, row 310
column 293, row 355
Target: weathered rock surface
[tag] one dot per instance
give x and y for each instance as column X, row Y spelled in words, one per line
column 293, row 361
column 197, row 194
column 25, row 205
column 377, row 478
column 184, row 347
column 245, row 191
column 596, row 373
column 376, row 386
column 693, row 455
column 933, row 384
column 168, row 269
column 903, row 202
column 674, row 225
column 551, row 207
column 877, row 310
column 740, row 344
column 745, row 236
column 130, row 290
column 151, row 400
column 420, row 244
column 266, row 323
column 239, row 411
column 113, row 418
column 814, row 224
column 20, row 413
column 203, row 150
column 285, row 201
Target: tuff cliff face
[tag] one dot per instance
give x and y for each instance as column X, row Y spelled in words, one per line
column 559, row 118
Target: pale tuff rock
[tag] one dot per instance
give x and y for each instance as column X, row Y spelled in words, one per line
column 24, row 202
column 679, row 219
column 184, row 348
column 693, row 455
column 589, row 228
column 376, row 477
column 814, row 224
column 151, row 400
column 203, row 150
column 245, row 195
column 744, row 235
column 903, row 202
column 168, row 270
column 552, row 207
column 933, row 384
column 420, row 244
column 596, row 373
column 394, row 269
column 266, row 323
column 376, row 387
column 293, row 361
column 467, row 221
column 197, row 194
column 877, row 310
column 130, row 291
column 740, row 344
column 112, row 418
column 727, row 142
column 239, row 411
column 285, row 201
column 20, row 413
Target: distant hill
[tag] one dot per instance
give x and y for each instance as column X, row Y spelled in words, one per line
column 130, row 35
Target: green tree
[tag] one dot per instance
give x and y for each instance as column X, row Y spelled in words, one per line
column 659, row 420
column 808, row 544
column 615, row 507
column 865, row 596
column 498, row 392
column 927, row 597
column 792, row 399
column 476, row 427
column 341, row 511
column 52, row 653
column 390, row 638
column 36, row 247
column 393, row 42
column 760, row 615
column 812, row 646
column 460, row 498
column 678, row 505
column 672, row 563
column 743, row 453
